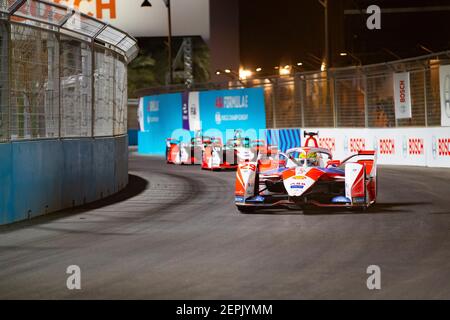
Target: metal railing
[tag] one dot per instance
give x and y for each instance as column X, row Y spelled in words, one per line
column 62, row 73
column 361, row 96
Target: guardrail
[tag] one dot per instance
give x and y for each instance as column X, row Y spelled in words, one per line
column 63, row 108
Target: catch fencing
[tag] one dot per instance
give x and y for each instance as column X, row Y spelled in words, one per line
column 356, row 97
column 63, row 74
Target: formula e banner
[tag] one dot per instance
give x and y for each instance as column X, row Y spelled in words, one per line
column 402, row 96
column 218, row 113
column 444, row 81
column 233, row 109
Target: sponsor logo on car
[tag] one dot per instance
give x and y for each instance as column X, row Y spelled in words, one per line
column 256, row 199
column 248, row 166
column 297, row 185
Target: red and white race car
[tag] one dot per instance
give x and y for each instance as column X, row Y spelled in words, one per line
column 307, row 176
column 217, row 156
column 178, row 152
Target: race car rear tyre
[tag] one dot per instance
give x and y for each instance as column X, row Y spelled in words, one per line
column 246, row 209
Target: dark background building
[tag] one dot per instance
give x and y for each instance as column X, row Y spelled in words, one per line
column 408, row 28
column 278, row 33
column 264, row 34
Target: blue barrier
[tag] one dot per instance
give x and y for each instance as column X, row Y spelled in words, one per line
column 284, row 138
column 133, row 137
column 44, row 176
column 6, row 181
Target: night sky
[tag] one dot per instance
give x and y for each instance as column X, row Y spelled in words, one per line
column 284, row 32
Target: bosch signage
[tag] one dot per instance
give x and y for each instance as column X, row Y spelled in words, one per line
column 394, row 146
column 357, row 144
column 387, row 146
column 40, row 11
column 402, row 95
column 402, row 91
column 444, row 147
column 328, row 143
column 415, row 146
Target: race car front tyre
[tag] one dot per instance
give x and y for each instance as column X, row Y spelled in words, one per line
column 246, row 209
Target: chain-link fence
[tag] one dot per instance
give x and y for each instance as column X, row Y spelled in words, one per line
column 62, row 73
column 344, row 97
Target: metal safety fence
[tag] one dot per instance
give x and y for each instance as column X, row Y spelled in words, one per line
column 62, row 73
column 360, row 96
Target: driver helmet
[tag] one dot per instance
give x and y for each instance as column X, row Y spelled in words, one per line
column 312, row 158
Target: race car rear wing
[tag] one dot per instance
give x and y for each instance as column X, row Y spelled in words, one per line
column 170, row 141
column 311, row 138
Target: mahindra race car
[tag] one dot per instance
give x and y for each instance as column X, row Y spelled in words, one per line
column 178, row 152
column 307, row 176
column 216, row 156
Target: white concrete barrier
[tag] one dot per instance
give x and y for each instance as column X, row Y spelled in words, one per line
column 397, row 146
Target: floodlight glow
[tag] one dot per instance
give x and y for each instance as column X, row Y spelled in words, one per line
column 244, row 74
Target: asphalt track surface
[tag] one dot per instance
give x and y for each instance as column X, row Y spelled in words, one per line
column 174, row 233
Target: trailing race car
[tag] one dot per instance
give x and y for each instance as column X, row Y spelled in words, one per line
column 259, row 149
column 172, row 149
column 178, row 152
column 216, row 156
column 307, row 176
